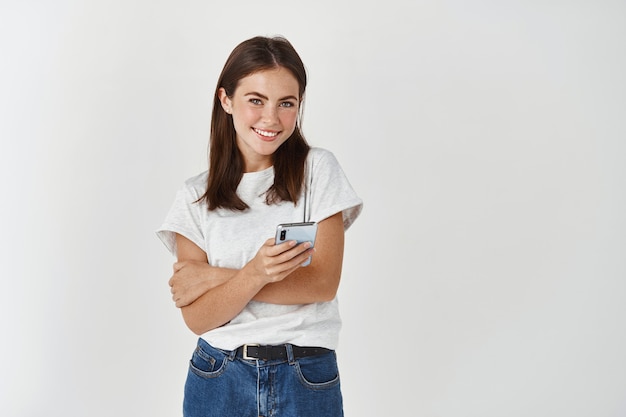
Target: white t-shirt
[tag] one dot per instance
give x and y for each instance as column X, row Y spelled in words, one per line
column 232, row 238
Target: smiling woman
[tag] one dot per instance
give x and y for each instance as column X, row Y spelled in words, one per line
column 268, row 327
column 269, row 76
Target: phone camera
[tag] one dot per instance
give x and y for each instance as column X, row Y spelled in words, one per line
column 282, row 234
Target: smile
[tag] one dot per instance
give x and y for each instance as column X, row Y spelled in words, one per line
column 265, row 133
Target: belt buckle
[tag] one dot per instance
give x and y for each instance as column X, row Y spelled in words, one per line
column 245, row 352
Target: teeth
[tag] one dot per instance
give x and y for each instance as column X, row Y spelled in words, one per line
column 266, row 134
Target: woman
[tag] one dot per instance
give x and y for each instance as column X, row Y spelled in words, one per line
column 268, row 326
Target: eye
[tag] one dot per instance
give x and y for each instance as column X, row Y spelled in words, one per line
column 255, row 101
column 287, row 104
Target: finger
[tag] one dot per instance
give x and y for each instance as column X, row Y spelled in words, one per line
column 290, row 263
column 181, row 303
column 276, row 250
column 285, row 273
column 304, row 256
column 300, row 259
column 295, row 251
column 305, row 246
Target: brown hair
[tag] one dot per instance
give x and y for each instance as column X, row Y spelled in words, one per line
column 226, row 164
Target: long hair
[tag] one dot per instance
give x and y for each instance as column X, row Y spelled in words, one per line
column 226, row 164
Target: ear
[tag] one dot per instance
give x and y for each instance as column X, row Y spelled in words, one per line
column 225, row 101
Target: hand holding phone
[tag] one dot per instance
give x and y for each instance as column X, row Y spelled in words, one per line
column 300, row 232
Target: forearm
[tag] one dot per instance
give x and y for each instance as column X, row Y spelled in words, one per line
column 303, row 286
column 222, row 303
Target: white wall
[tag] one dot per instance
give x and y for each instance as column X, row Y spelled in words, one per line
column 486, row 276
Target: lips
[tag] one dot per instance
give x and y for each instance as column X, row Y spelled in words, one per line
column 265, row 134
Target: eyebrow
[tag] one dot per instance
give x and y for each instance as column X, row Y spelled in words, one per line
column 254, row 93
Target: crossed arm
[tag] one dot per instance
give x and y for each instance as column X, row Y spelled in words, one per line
column 211, row 296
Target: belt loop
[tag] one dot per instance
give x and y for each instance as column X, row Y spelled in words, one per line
column 232, row 354
column 290, row 357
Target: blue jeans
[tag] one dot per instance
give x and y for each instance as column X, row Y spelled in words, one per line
column 221, row 384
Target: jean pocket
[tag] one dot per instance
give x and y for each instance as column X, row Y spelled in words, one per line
column 207, row 365
column 318, row 372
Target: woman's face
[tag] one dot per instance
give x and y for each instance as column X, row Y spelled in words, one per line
column 264, row 108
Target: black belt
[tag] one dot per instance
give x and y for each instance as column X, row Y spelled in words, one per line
column 269, row 353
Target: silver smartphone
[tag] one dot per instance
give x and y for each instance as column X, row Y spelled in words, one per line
column 300, row 232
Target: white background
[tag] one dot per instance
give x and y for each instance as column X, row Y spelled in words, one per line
column 485, row 277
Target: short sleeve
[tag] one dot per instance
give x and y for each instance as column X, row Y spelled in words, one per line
column 329, row 190
column 185, row 218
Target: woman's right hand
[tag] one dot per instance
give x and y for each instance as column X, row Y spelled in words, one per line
column 273, row 263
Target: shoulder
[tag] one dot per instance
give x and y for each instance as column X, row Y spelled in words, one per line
column 196, row 185
column 320, row 158
column 316, row 154
column 197, row 180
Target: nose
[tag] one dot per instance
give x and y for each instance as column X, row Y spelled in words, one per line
column 270, row 114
